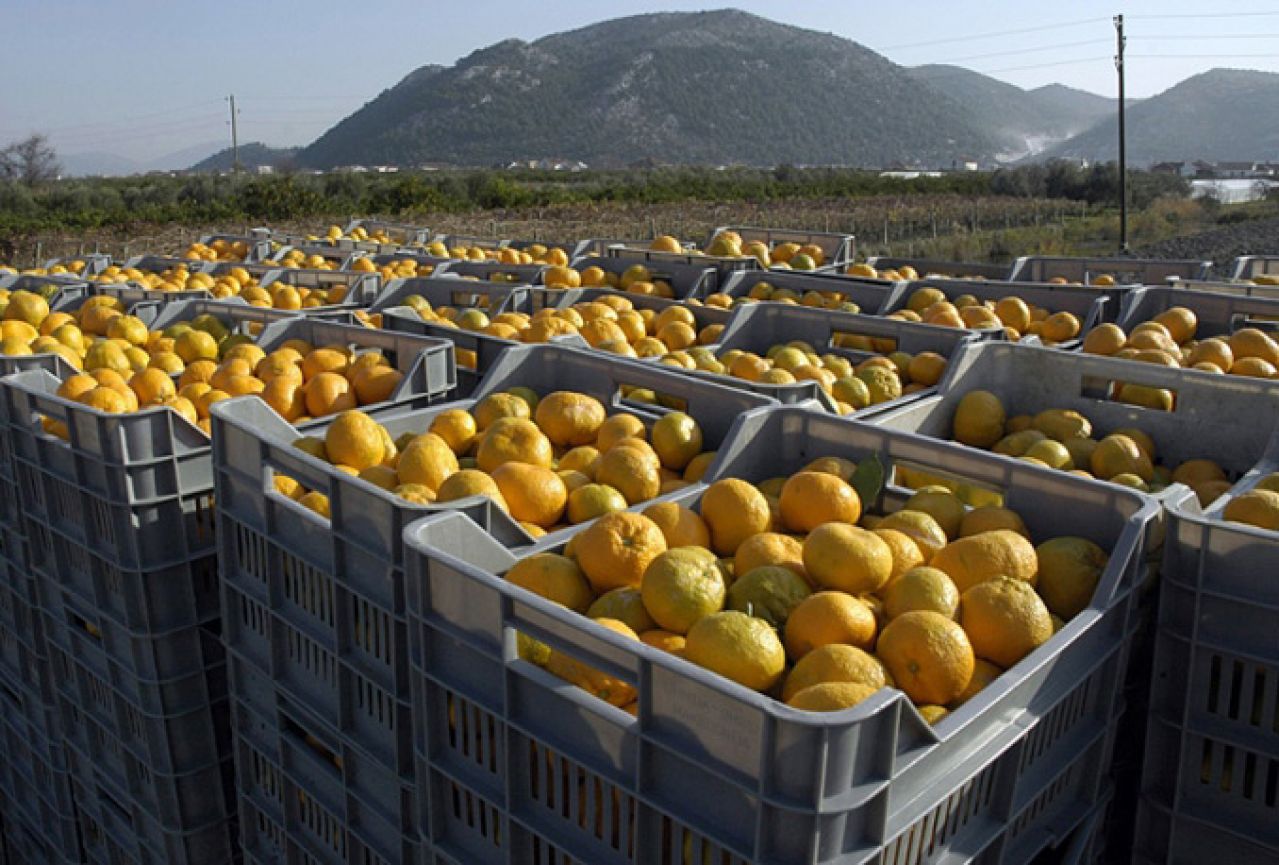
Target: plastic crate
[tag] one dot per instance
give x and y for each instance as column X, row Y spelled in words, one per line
column 340, row 259
column 1251, row 266
column 1245, row 289
column 1217, row 314
column 474, row 241
column 114, row 830
column 838, row 249
column 597, row 247
column 161, row 263
column 1135, row 271
column 517, row 766
column 362, row 288
column 94, row 263
column 1028, row 380
column 1092, row 306
column 445, row 290
column 492, row 271
column 872, row 296
column 703, row 315
column 258, row 242
column 566, row 247
column 933, row 269
column 724, row 266
column 382, row 259
column 685, row 280
column 1212, row 753
column 67, row 290
column 399, row 232
column 758, row 327
column 35, row 783
column 296, row 787
column 317, row 606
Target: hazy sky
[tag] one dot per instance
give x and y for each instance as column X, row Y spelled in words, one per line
column 144, row 78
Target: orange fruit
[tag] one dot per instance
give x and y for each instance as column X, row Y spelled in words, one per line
column 835, row 662
column 496, row 406
column 556, row 578
column 664, row 640
column 1105, row 339
column 630, row 470
column 375, row 384
column 427, row 461
column 979, row 419
column 905, row 551
column 989, row 518
column 682, row 586
column 590, row 500
column 152, row 387
column 465, row 483
column 583, row 459
column 104, row 399
column 919, row 527
column 324, row 360
column 618, row 427
column 616, row 549
column 921, row 588
column 928, row 655
column 831, row 696
column 681, row 526
column 1257, row 507
column 698, row 465
column 770, row 548
column 677, row 438
column 513, row 439
column 327, row 393
column 286, row 396
column 1069, row 570
column 847, row 558
column 734, row 510
column 599, row 684
column 569, row 419
column 317, row 502
column 984, row 672
column 977, row 558
column 457, row 427
column 926, row 368
column 354, row 439
column 624, row 604
column 810, row 499
column 739, row 647
column 534, row 494
column 1120, row 454
column 1004, row 619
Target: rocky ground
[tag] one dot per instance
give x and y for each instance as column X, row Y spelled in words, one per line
column 1221, row 245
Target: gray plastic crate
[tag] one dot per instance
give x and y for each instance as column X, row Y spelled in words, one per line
column 597, row 247
column 294, row 787
column 703, row 315
column 1028, row 380
column 724, row 266
column 452, row 241
column 492, row 271
column 35, row 783
column 1135, row 271
column 927, row 268
column 318, row 605
column 400, row 233
column 362, row 288
column 838, row 249
column 340, row 259
column 1217, row 314
column 872, row 296
column 1208, row 785
column 94, row 263
column 66, row 290
column 685, row 280
column 1092, row 306
column 1245, row 289
column 735, row 776
column 381, row 259
column 258, row 242
column 566, row 247
column 445, row 290
column 1251, row 266
column 161, row 263
column 758, row 327
column 115, row 830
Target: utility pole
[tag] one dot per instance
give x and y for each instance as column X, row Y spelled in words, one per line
column 235, row 137
column 1121, row 43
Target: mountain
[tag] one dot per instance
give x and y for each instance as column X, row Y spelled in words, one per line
column 252, row 155
column 708, row 87
column 184, row 158
column 1223, row 114
column 1025, row 121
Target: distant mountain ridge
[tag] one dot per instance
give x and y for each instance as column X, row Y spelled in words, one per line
column 252, row 155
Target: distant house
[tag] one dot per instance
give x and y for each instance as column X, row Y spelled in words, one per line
column 1174, row 168
column 1232, row 170
column 265, row 169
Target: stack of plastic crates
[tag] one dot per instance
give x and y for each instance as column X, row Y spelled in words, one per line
column 515, row 765
column 315, row 618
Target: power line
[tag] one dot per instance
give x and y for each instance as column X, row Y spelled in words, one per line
column 1015, row 51
column 1155, row 16
column 1205, row 37
column 1269, row 56
column 1075, row 62
column 991, row 35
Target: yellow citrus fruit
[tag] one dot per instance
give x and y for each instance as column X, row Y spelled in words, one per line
column 354, row 439
column 1069, row 570
column 677, row 438
column 1257, row 507
column 512, row 439
column 770, row 548
column 928, row 655
column 616, row 549
column 769, row 592
column 977, row 558
column 1004, row 619
column 570, row 419
column 919, row 527
column 906, row 554
column 1119, row 454
column 921, row 588
column 626, row 605
column 734, row 511
column 829, row 617
column 632, row 471
column 427, row 460
column 496, row 406
column 534, row 494
column 979, row 419
column 831, row 696
column 317, row 502
column 681, row 526
column 556, row 578
column 592, row 500
column 681, row 586
column 989, row 518
column 835, row 662
column 847, row 558
column 810, row 499
column 738, row 647
column 984, row 672
column 941, row 504
column 466, row 483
